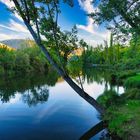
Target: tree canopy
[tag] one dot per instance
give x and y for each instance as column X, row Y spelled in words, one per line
column 121, row 16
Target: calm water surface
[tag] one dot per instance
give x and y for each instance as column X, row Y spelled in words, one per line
column 47, row 108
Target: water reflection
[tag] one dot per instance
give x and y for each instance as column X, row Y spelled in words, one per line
column 34, row 88
column 99, row 128
column 95, row 130
column 36, row 95
column 45, row 107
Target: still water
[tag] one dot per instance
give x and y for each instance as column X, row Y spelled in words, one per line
column 42, row 107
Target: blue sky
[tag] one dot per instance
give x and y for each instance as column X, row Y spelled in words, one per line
column 12, row 27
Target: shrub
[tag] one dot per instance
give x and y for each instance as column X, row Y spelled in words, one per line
column 108, row 98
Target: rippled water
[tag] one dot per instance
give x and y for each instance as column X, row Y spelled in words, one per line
column 42, row 111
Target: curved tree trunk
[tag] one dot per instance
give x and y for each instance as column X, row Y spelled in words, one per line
column 82, row 93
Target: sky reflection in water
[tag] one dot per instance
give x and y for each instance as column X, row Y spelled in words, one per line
column 49, row 113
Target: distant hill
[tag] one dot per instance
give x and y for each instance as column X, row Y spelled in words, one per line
column 18, row 43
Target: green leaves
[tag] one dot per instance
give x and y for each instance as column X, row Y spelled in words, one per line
column 121, row 16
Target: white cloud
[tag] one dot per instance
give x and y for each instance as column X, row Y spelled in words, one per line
column 86, row 5
column 8, row 3
column 13, row 30
column 91, row 28
column 88, row 8
column 4, row 36
column 94, row 40
column 12, row 35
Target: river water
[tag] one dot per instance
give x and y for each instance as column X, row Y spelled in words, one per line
column 44, row 107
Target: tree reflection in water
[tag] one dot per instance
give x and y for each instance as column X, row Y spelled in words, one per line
column 96, row 129
column 93, row 131
column 34, row 88
column 36, row 95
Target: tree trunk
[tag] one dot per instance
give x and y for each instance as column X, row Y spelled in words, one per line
column 83, row 94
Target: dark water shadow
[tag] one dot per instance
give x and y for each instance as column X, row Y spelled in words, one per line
column 93, row 131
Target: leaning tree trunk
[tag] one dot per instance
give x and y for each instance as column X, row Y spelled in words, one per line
column 82, row 93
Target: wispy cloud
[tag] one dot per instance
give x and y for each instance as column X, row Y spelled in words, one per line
column 13, row 30
column 10, row 5
column 5, row 36
column 15, row 26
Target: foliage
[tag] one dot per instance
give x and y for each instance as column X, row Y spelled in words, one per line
column 108, row 98
column 41, row 18
column 122, row 112
column 75, row 65
column 7, row 61
column 92, row 56
column 122, row 75
column 21, row 61
column 124, row 120
column 124, row 14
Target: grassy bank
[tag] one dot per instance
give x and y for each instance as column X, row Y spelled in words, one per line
column 123, row 111
column 124, row 120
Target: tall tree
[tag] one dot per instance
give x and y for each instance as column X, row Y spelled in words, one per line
column 40, row 17
column 111, row 49
column 124, row 14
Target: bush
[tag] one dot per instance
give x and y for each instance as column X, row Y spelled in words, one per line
column 108, row 98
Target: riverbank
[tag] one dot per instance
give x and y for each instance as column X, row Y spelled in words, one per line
column 123, row 111
column 124, row 120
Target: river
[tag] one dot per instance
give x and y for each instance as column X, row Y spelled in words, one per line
column 45, row 107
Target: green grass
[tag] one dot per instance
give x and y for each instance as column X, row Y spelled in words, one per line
column 133, row 93
column 132, row 82
column 124, row 120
